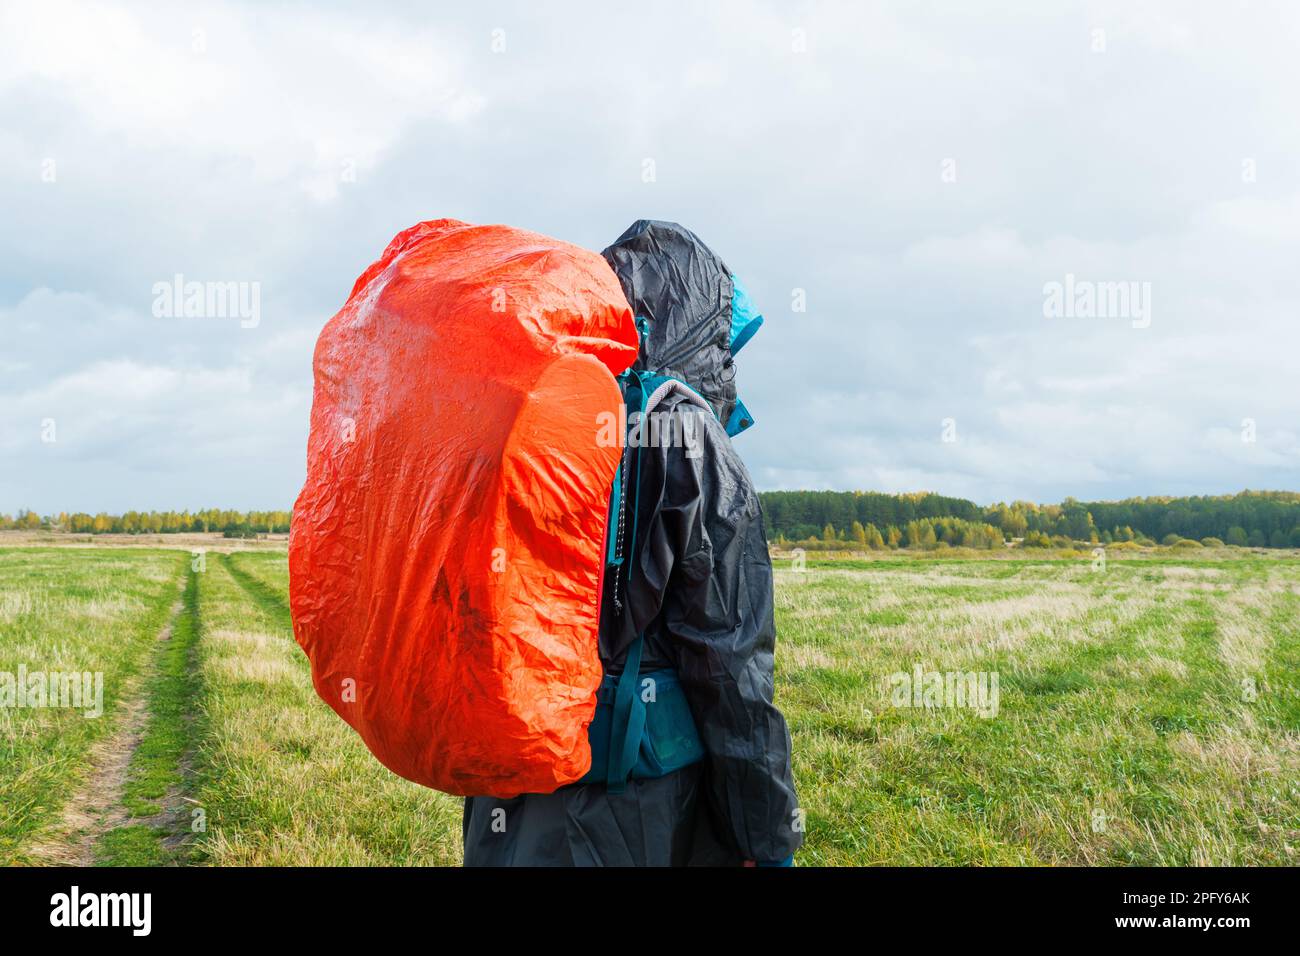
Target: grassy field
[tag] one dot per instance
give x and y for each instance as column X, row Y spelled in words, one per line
column 1145, row 713
column 1149, row 713
column 96, row 611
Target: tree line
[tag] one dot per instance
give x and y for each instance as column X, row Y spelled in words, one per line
column 866, row 519
column 1265, row 519
column 230, row 523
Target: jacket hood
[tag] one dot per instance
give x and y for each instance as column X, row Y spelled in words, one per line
column 692, row 312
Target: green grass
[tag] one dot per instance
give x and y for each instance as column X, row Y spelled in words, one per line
column 1148, row 714
column 1120, row 697
column 156, row 763
column 134, row 845
column 282, row 780
column 70, row 610
column 156, row 768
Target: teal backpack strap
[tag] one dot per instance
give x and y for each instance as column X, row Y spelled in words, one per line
column 628, row 739
column 612, row 558
column 628, row 721
column 628, row 718
column 629, row 382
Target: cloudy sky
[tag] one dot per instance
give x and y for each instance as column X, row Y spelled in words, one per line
column 917, row 174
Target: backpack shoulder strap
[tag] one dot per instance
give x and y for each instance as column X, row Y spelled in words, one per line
column 659, row 387
column 628, row 720
column 642, row 392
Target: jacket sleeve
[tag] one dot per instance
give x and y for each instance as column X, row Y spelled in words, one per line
column 706, row 556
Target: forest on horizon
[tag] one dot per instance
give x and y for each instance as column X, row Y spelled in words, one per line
column 1264, row 519
column 868, row 519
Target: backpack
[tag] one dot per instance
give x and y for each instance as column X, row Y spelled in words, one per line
column 447, row 550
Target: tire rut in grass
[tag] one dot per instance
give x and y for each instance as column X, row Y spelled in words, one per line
column 262, row 594
column 97, row 809
column 155, row 828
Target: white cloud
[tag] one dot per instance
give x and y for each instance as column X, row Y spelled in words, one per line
column 818, row 169
column 296, row 94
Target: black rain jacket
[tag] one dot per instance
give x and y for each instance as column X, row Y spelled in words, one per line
column 700, row 588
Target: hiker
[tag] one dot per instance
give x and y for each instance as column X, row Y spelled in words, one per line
column 690, row 600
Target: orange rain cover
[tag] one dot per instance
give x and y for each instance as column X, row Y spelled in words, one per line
column 446, row 550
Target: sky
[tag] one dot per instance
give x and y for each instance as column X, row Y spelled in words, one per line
column 1029, row 251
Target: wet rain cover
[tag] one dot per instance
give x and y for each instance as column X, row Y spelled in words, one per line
column 445, row 553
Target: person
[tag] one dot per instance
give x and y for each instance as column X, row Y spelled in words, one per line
column 698, row 587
